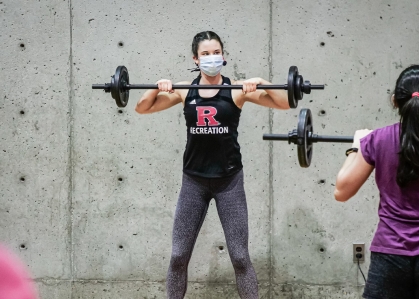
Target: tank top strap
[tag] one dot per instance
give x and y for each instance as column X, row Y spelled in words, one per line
column 226, row 92
column 226, row 80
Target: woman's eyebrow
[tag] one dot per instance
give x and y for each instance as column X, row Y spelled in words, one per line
column 217, row 50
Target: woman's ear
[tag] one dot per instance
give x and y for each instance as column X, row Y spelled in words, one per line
column 393, row 100
column 196, row 60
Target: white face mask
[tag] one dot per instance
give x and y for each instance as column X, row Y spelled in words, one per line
column 211, row 64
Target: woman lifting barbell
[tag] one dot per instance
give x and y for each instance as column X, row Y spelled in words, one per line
column 212, row 166
column 394, row 153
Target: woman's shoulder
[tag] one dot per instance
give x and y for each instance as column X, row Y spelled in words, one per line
column 182, row 92
column 383, row 136
column 183, row 83
column 387, row 129
column 236, row 82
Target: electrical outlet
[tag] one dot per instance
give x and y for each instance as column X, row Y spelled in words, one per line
column 358, row 249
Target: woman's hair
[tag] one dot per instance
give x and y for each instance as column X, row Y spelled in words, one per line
column 204, row 35
column 406, row 85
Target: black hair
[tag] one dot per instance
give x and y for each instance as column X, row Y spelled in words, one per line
column 204, row 35
column 406, row 85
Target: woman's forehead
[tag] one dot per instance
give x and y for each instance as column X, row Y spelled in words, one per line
column 209, row 45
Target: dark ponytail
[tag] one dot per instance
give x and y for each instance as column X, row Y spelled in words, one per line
column 204, row 35
column 407, row 84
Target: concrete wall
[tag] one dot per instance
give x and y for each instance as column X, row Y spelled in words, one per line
column 88, row 190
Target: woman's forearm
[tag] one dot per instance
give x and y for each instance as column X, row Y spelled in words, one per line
column 279, row 96
column 147, row 101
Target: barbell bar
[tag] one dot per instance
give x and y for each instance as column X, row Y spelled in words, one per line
column 304, row 138
column 119, row 86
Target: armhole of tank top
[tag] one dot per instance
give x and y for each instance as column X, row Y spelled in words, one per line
column 191, row 92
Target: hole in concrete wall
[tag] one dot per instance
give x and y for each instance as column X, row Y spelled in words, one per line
column 121, row 247
column 322, row 44
column 120, row 44
column 321, row 182
column 322, row 250
column 22, row 112
column 322, row 113
column 22, row 46
column 120, row 179
column 22, row 178
column 120, row 111
column 23, row 246
column 220, row 248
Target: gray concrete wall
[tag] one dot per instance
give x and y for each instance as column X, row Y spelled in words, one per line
column 88, row 190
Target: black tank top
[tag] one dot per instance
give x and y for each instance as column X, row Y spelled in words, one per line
column 212, row 150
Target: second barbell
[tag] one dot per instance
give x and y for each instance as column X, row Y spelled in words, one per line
column 304, row 138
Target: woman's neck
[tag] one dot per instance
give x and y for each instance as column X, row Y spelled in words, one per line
column 216, row 80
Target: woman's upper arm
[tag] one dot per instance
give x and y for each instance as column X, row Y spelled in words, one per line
column 351, row 179
column 261, row 97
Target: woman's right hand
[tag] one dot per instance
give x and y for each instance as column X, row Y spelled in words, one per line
column 359, row 134
column 165, row 85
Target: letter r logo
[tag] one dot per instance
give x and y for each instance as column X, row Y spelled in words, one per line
column 206, row 113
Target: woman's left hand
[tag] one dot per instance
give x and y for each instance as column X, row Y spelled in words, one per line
column 250, row 85
column 359, row 134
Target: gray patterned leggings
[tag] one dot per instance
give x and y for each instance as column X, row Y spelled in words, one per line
column 194, row 198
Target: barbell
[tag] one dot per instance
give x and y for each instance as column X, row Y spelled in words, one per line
column 304, row 138
column 120, row 86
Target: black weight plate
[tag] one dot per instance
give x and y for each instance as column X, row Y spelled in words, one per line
column 304, row 145
column 118, row 84
column 292, row 74
column 298, row 88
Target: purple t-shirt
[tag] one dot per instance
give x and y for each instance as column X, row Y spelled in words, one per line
column 398, row 228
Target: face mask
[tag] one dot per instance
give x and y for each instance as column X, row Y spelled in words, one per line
column 211, row 64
